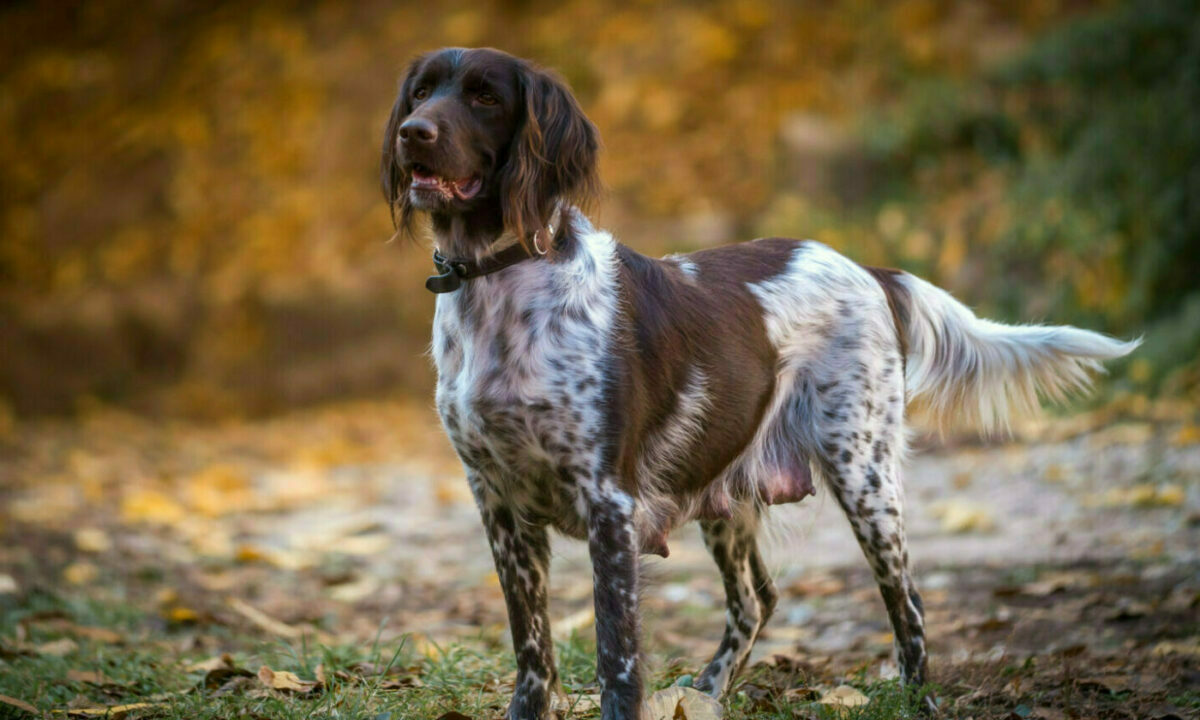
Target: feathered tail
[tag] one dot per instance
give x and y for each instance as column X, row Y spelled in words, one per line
column 966, row 370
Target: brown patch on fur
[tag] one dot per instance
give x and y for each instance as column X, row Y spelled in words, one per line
column 898, row 302
column 672, row 323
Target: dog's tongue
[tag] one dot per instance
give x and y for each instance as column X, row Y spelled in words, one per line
column 466, row 187
column 462, row 188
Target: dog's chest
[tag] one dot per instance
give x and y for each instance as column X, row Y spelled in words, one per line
column 520, row 367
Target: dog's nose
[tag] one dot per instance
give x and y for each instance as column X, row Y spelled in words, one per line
column 417, row 129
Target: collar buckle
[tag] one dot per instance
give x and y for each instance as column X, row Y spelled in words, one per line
column 450, row 277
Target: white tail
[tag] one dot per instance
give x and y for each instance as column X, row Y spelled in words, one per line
column 981, row 373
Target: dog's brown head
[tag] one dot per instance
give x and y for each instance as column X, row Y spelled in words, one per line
column 483, row 134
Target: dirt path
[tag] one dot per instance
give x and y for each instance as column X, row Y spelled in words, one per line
column 1079, row 549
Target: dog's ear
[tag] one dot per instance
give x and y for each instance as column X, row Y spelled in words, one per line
column 392, row 178
column 552, row 155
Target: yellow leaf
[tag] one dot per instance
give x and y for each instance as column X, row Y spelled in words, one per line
column 284, row 680
column 352, row 592
column 151, row 506
column 1188, row 435
column 181, row 614
column 92, row 540
column 1188, row 646
column 222, row 661
column 581, row 620
column 58, row 648
column 110, row 712
column 1142, row 495
column 80, row 573
column 844, row 696
column 218, row 490
column 682, row 703
column 958, row 516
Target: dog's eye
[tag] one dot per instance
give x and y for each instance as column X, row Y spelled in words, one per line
column 421, row 93
column 487, row 99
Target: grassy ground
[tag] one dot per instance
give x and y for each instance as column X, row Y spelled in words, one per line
column 330, row 564
column 67, row 655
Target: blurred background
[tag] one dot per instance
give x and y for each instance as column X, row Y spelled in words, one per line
column 216, row 432
column 192, row 224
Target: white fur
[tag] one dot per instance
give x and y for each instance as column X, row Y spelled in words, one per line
column 982, row 373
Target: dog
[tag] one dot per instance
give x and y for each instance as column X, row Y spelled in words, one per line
column 614, row 397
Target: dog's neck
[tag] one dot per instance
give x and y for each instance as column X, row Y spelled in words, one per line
column 469, row 234
column 477, row 234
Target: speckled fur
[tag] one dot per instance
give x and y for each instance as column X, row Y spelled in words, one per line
column 615, row 397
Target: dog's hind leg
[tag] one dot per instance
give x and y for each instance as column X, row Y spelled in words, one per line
column 862, row 447
column 749, row 596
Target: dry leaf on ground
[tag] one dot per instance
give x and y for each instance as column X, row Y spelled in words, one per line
column 224, row 660
column 87, row 676
column 13, row 702
column 681, row 703
column 59, row 648
column 109, row 712
column 284, row 680
column 958, row 516
column 844, row 696
column 264, row 621
column 92, row 540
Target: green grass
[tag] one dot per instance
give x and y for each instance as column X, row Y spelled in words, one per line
column 150, row 667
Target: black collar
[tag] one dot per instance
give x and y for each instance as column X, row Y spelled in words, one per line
column 452, row 271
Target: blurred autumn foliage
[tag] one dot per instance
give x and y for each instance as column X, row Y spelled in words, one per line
column 191, row 221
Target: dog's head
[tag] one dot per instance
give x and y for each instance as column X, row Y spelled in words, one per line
column 481, row 132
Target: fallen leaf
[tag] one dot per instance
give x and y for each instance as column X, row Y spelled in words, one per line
column 58, row 648
column 959, row 516
column 1142, row 495
column 585, row 618
column 682, row 703
column 181, row 615
column 151, row 506
column 87, row 676
column 844, row 696
column 222, row 680
column 1189, row 646
column 1122, row 434
column 99, row 634
column 453, row 715
column 284, row 680
column 224, row 660
column 817, row 586
column 352, row 592
column 110, row 712
column 1128, row 609
column 1112, row 683
column 18, row 704
column 92, row 540
column 1188, row 435
column 1051, row 583
column 264, row 621
column 80, row 573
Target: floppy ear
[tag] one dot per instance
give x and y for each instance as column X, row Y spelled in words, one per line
column 392, row 177
column 552, row 155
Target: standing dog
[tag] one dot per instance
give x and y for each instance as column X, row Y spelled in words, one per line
column 614, row 396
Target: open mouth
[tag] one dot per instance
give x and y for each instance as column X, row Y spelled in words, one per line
column 423, row 179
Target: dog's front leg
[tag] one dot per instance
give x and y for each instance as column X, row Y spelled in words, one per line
column 612, row 543
column 522, row 555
